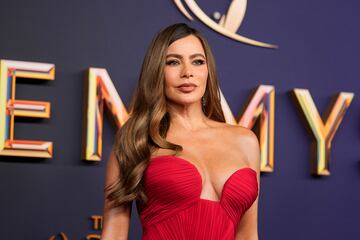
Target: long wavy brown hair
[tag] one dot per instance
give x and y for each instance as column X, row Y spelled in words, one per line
column 148, row 122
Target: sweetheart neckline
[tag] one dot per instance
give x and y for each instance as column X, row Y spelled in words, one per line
column 201, row 177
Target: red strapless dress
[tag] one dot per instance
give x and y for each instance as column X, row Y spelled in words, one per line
column 175, row 210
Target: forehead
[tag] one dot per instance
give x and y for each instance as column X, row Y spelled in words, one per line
column 186, row 46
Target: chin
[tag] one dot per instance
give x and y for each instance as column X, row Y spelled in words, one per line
column 189, row 98
column 188, row 101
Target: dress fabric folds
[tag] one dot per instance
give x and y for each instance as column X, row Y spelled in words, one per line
column 175, row 211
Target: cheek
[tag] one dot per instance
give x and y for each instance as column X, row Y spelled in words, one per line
column 169, row 81
column 203, row 75
column 170, row 77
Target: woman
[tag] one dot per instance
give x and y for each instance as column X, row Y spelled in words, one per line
column 192, row 175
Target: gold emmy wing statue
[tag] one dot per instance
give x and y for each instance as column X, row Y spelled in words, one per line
column 228, row 24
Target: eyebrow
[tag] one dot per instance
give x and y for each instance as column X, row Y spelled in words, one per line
column 181, row 57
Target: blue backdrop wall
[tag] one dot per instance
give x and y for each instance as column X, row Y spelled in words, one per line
column 318, row 50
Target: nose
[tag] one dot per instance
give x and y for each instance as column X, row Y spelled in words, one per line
column 186, row 71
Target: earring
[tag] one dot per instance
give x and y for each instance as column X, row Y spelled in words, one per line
column 203, row 101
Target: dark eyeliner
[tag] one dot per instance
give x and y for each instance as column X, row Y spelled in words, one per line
column 199, row 61
column 170, row 62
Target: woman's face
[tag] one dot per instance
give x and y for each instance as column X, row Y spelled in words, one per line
column 186, row 71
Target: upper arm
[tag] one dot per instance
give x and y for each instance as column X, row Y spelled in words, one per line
column 247, row 228
column 116, row 221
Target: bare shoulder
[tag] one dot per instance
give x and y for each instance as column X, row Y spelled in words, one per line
column 240, row 134
column 247, row 142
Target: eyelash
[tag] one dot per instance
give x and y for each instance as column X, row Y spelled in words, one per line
column 175, row 62
column 199, row 61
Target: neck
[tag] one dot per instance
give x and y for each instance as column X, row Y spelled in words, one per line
column 188, row 117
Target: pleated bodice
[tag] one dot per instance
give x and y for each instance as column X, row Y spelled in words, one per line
column 175, row 210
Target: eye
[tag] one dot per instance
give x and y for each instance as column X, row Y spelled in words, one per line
column 172, row 62
column 199, row 62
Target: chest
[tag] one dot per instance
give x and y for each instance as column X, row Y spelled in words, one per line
column 177, row 178
column 213, row 156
